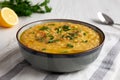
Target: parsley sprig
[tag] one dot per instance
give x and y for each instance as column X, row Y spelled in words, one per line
column 25, row 7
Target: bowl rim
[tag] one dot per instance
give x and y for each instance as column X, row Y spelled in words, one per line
column 83, row 53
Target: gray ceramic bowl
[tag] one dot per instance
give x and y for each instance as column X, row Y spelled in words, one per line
column 59, row 62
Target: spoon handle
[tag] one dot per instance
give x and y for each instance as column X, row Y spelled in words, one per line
column 118, row 28
column 117, row 24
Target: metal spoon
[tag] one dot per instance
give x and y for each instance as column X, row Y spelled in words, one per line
column 106, row 19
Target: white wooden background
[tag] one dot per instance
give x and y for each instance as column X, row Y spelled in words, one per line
column 83, row 10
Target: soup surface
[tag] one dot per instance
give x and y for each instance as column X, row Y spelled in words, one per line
column 60, row 38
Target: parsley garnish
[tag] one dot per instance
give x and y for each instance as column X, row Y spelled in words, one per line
column 84, row 34
column 69, row 45
column 70, row 36
column 58, row 30
column 52, row 40
column 51, row 37
column 44, row 28
column 85, row 41
column 65, row 28
column 43, row 49
column 25, row 8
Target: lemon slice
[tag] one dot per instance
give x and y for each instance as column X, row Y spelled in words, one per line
column 8, row 17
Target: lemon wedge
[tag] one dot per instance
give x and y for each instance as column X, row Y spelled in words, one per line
column 8, row 17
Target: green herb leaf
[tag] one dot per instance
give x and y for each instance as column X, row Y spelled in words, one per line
column 51, row 37
column 59, row 30
column 43, row 49
column 25, row 8
column 11, row 1
column 45, row 3
column 52, row 41
column 44, row 28
column 65, row 28
column 84, row 34
column 35, row 8
column 70, row 36
column 85, row 41
column 48, row 9
column 69, row 45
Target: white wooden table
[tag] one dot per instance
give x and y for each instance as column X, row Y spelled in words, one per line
column 83, row 10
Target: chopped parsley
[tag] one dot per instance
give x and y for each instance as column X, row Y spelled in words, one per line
column 58, row 30
column 66, row 28
column 52, row 40
column 44, row 28
column 51, row 36
column 43, row 49
column 69, row 45
column 85, row 41
column 70, row 36
column 84, row 34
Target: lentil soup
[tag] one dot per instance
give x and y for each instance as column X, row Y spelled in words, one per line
column 60, row 38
